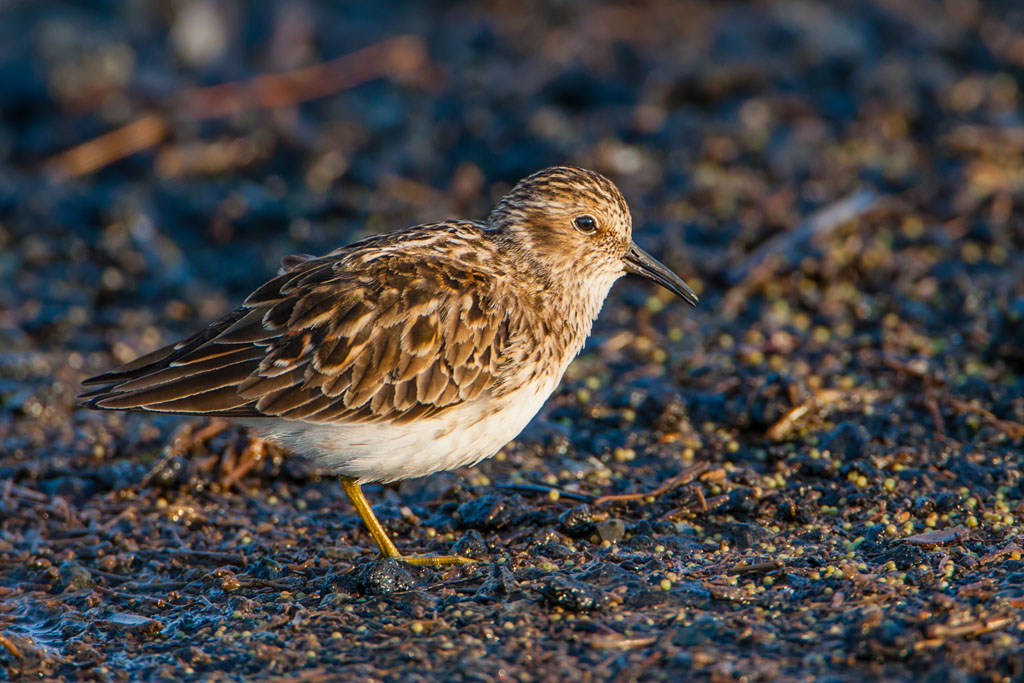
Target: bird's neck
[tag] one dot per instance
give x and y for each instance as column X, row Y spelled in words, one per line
column 563, row 304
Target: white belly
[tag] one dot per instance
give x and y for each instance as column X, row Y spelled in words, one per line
column 383, row 452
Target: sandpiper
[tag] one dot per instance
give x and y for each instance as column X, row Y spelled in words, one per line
column 410, row 352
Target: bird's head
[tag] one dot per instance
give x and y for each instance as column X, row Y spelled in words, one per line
column 575, row 222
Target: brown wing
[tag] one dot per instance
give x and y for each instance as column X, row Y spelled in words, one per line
column 401, row 336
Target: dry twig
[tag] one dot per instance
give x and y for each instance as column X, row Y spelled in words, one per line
column 253, row 454
column 821, row 399
column 546, row 490
column 684, row 477
column 10, row 646
column 761, row 263
column 971, row 628
column 937, row 537
column 756, row 568
column 1014, row 430
column 620, row 642
column 698, row 504
column 397, row 57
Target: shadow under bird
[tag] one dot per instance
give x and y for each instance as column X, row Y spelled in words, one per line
column 411, row 352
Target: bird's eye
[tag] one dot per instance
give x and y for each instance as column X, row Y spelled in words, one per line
column 585, row 223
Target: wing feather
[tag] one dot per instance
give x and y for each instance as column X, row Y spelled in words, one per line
column 376, row 331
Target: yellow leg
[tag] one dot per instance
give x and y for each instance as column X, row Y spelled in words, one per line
column 387, row 548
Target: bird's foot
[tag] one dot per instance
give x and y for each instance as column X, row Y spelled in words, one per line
column 434, row 560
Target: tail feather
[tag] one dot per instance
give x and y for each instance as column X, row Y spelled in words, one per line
column 193, row 376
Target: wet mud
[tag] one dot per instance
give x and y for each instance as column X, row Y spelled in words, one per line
column 817, row 473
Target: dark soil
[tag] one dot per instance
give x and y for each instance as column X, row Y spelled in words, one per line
column 828, row 450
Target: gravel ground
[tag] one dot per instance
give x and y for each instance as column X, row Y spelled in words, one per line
column 817, row 474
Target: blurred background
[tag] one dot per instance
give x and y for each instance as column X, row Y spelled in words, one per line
column 841, row 181
column 140, row 195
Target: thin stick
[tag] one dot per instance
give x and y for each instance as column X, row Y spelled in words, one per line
column 620, row 642
column 211, row 556
column 14, row 490
column 971, row 628
column 781, row 429
column 215, row 427
column 398, row 57
column 933, row 407
column 545, row 490
column 819, row 223
column 251, row 456
column 1014, row 430
column 937, row 537
column 756, row 568
column 684, row 477
column 11, row 647
column 142, row 133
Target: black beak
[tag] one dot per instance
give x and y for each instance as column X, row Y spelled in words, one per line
column 639, row 262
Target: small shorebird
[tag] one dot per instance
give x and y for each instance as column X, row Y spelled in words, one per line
column 410, row 352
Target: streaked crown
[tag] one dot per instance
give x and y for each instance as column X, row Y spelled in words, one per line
column 567, row 218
